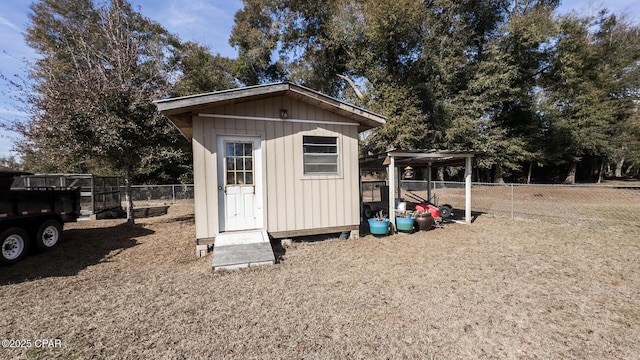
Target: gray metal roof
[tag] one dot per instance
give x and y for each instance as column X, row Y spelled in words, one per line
column 181, row 109
column 417, row 158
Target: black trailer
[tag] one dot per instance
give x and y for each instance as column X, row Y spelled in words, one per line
column 33, row 218
column 99, row 194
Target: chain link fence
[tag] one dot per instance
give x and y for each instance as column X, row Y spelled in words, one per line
column 575, row 204
column 608, row 205
column 149, row 195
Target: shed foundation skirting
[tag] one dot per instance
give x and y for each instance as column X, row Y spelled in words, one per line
column 202, row 250
column 206, row 241
column 354, row 232
column 353, row 229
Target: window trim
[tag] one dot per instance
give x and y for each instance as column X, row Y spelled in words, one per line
column 338, row 156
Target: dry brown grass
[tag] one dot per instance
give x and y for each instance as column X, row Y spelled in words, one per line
column 496, row 289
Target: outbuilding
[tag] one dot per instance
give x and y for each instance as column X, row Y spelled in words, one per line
column 278, row 157
column 394, row 160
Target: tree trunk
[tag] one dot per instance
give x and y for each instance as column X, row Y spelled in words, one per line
column 440, row 174
column 529, row 172
column 628, row 171
column 619, row 166
column 497, row 175
column 571, row 175
column 601, row 173
column 127, row 196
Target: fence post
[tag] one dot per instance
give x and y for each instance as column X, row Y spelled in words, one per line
column 512, row 202
column 173, row 191
column 433, row 191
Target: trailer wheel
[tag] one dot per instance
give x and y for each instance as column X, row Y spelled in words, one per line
column 49, row 234
column 367, row 212
column 446, row 211
column 15, row 243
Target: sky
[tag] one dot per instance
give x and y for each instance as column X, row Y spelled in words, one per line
column 207, row 22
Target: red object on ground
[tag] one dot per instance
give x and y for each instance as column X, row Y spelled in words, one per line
column 435, row 213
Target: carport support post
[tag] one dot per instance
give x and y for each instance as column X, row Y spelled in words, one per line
column 429, row 182
column 467, row 191
column 392, row 190
column 398, row 185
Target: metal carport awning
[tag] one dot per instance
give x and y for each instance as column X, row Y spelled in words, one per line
column 425, row 158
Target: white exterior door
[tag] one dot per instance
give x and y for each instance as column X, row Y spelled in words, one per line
column 239, row 183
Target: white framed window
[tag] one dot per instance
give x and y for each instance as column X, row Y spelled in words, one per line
column 320, row 155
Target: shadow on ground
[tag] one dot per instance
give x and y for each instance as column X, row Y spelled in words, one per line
column 186, row 218
column 278, row 250
column 458, row 214
column 78, row 249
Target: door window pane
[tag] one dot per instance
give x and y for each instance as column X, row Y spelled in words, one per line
column 229, row 149
column 231, row 178
column 239, row 151
column 239, row 163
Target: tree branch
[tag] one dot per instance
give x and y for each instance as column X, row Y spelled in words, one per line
column 353, row 85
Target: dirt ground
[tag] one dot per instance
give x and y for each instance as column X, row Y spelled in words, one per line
column 496, row 289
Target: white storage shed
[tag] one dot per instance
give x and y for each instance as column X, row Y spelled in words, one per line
column 277, row 157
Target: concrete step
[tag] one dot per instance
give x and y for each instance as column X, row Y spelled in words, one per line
column 233, row 250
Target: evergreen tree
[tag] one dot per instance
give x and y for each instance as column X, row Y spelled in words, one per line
column 593, row 88
column 256, row 36
column 496, row 112
column 200, row 71
column 501, row 76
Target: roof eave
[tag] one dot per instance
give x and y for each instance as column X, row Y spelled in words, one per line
column 181, row 109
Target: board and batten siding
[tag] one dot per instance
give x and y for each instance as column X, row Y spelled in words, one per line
column 292, row 201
